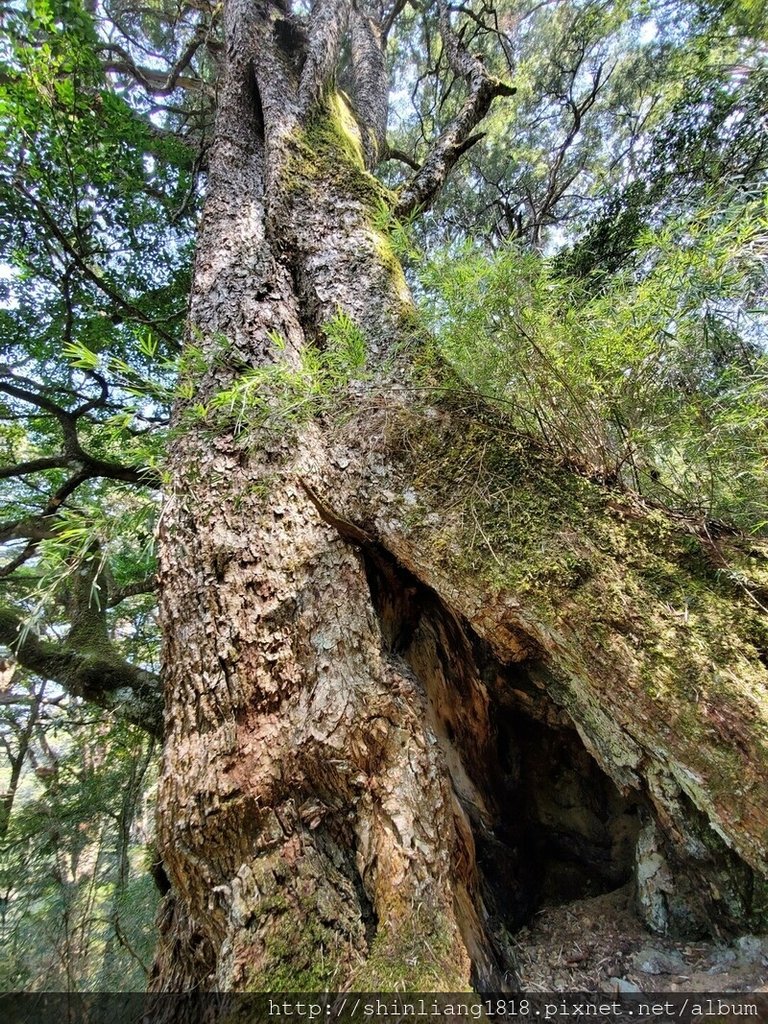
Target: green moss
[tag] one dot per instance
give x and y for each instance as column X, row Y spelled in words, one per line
column 414, row 952
column 389, row 259
column 622, row 596
column 294, row 953
column 299, row 952
column 329, row 150
column 506, row 513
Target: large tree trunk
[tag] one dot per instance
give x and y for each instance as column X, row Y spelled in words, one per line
column 389, row 632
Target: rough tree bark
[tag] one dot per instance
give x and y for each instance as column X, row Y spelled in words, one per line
column 377, row 620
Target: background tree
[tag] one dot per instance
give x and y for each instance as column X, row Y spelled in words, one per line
column 78, row 901
column 392, row 548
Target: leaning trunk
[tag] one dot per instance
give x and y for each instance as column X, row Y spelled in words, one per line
column 394, row 639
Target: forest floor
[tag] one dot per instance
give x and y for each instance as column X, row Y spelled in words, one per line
column 598, row 944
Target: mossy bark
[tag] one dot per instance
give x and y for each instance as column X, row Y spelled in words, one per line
column 297, row 753
column 616, row 611
column 350, row 605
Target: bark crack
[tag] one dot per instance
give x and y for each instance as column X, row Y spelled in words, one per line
column 343, row 527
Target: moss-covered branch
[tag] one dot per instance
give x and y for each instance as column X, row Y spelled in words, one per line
column 100, row 676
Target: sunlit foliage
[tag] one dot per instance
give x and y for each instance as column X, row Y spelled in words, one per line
column 594, row 269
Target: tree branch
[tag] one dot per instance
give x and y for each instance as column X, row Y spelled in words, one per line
column 10, row 384
column 157, row 82
column 154, row 82
column 147, row 585
column 419, row 192
column 102, row 678
column 370, row 79
column 87, row 270
column 100, row 402
column 12, row 529
column 74, row 454
column 15, row 563
column 391, row 17
column 403, row 157
column 34, row 466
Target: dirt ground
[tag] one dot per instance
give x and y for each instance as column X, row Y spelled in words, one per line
column 599, row 944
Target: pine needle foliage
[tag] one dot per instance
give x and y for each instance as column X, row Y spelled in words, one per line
column 283, row 393
column 654, row 381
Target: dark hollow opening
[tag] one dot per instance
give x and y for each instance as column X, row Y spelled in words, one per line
column 563, row 828
column 548, row 825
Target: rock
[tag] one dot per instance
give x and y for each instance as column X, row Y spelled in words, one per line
column 656, row 961
column 622, row 985
column 722, row 958
column 654, row 879
column 752, row 948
